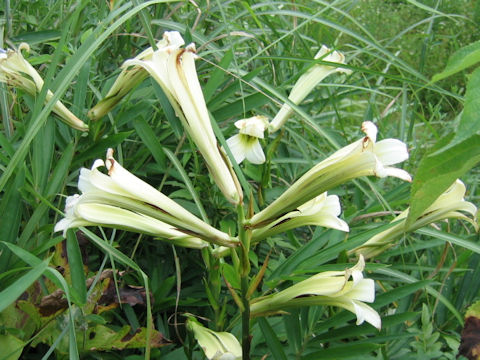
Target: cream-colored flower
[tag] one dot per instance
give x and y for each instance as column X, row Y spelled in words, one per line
column 17, row 72
column 450, row 204
column 330, row 288
column 245, row 144
column 173, row 67
column 361, row 158
column 307, row 82
column 216, row 345
column 122, row 189
column 81, row 211
column 320, row 211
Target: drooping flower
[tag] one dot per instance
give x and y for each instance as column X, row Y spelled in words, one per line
column 216, row 345
column 450, row 204
column 307, row 82
column 122, row 189
column 361, row 158
column 17, row 72
column 330, row 288
column 81, row 211
column 245, row 144
column 173, row 67
column 320, row 211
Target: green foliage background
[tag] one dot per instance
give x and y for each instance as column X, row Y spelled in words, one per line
column 251, row 54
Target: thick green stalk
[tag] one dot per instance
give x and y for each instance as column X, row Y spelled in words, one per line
column 244, row 238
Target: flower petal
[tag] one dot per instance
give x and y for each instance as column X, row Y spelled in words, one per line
column 391, row 151
column 254, row 153
column 366, row 313
column 398, row 173
column 237, row 147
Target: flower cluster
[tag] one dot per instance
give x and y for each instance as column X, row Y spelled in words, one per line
column 361, row 158
column 173, row 68
column 120, row 199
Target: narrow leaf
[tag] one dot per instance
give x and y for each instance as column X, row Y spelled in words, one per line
column 77, row 273
column 13, row 292
column 271, row 339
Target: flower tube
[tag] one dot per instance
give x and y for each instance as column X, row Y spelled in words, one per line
column 81, row 212
column 450, row 204
column 245, row 144
column 330, row 288
column 216, row 345
column 173, row 68
column 307, row 82
column 361, row 158
column 129, row 78
column 320, row 211
column 122, row 189
column 17, row 72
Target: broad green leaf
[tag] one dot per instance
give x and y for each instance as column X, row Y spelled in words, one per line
column 438, row 171
column 460, row 60
column 11, row 346
column 77, row 273
column 12, row 292
column 102, row 338
column 470, row 120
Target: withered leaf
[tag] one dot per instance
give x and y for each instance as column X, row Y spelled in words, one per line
column 470, row 338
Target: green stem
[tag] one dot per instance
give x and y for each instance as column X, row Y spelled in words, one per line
column 244, row 238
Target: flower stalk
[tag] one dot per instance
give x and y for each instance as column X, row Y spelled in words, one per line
column 244, row 238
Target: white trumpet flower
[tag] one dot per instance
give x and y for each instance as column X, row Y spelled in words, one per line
column 80, row 211
column 307, row 82
column 450, row 204
column 245, row 144
column 216, row 345
column 17, row 72
column 320, row 211
column 173, row 67
column 330, row 288
column 122, row 189
column 362, row 158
